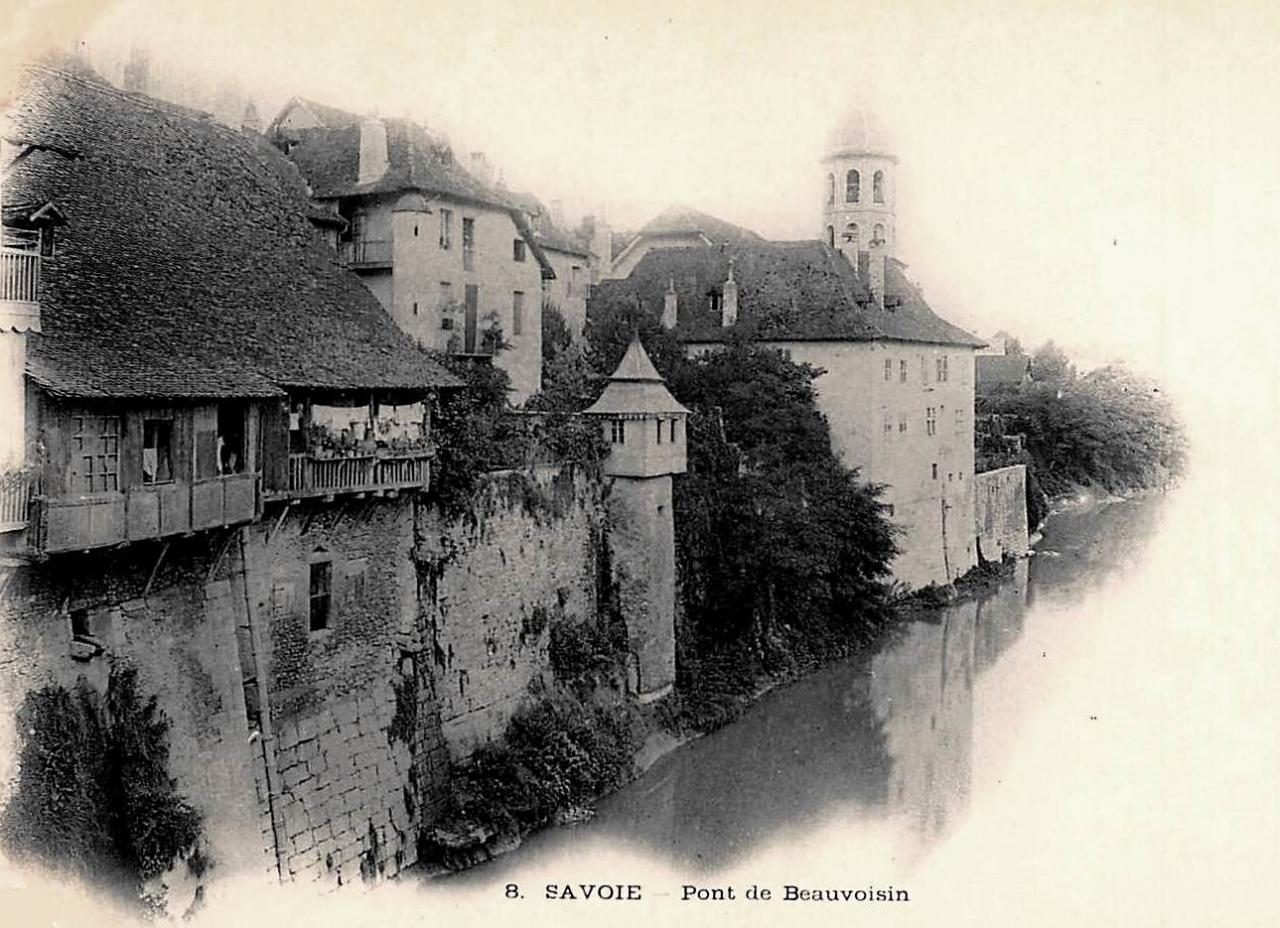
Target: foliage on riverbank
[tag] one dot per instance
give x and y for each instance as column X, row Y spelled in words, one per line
column 1110, row 428
column 94, row 796
column 557, row 756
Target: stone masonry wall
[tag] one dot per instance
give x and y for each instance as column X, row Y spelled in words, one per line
column 1000, row 511
column 494, row 582
column 165, row 609
column 355, row 751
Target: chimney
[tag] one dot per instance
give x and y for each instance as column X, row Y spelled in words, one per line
column 875, row 270
column 729, row 304
column 137, row 73
column 669, row 305
column 600, row 242
column 481, row 168
column 373, row 150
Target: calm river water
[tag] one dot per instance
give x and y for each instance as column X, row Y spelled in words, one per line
column 886, row 738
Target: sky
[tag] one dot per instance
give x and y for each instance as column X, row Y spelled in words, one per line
column 1095, row 173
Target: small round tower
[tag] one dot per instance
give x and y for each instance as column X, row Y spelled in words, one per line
column 859, row 186
column 645, row 427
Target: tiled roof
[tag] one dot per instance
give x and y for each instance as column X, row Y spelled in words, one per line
column 1000, row 369
column 548, row 234
column 683, row 219
column 187, row 267
column 787, row 291
column 329, row 158
column 635, row 388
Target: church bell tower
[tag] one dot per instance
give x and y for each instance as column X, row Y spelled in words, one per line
column 859, row 186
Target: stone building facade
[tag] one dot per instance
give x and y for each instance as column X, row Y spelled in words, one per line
column 448, row 255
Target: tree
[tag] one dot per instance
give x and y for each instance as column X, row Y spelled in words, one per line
column 1050, row 364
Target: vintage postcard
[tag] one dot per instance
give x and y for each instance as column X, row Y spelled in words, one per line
column 612, row 464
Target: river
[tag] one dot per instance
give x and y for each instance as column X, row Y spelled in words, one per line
column 884, row 742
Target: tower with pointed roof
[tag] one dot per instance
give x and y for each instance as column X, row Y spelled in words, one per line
column 859, row 185
column 645, row 427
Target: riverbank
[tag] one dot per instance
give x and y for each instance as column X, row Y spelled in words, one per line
column 714, row 691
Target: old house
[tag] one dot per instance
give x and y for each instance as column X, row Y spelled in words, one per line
column 222, row 433
column 448, row 255
column 898, row 380
column 570, row 255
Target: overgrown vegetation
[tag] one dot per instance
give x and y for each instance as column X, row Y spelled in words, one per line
column 94, row 796
column 476, row 432
column 1109, row 428
column 556, row 757
column 783, row 553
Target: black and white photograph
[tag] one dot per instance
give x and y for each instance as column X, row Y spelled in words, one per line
column 618, row 464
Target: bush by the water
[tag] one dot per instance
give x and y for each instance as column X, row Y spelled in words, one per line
column 94, row 795
column 557, row 756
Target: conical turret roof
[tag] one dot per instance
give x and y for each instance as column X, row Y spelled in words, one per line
column 636, row 388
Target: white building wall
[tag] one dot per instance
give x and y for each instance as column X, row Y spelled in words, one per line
column 859, row 402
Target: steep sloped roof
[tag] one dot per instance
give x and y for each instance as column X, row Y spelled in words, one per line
column 545, row 230
column 636, row 388
column 187, row 266
column 677, row 219
column 417, row 159
column 326, row 115
column 787, row 291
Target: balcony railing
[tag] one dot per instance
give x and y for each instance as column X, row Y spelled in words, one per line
column 314, row 476
column 19, row 275
column 365, row 252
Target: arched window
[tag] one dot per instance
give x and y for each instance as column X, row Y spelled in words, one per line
column 878, row 232
column 831, row 190
column 852, row 187
column 851, row 235
column 877, row 187
column 831, row 236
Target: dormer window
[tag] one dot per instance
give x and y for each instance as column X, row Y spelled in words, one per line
column 717, row 301
column 46, row 242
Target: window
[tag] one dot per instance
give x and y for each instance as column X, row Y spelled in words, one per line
column 231, row 447
column 902, row 371
column 518, row 249
column 935, row 471
column 852, row 187
column 888, row 368
column 446, row 228
column 517, row 313
column 959, row 420
column 717, row 301
column 446, row 293
column 157, row 450
column 851, row 234
column 673, row 431
column 321, row 596
column 831, row 190
column 46, row 242
column 575, row 282
column 415, row 307
column 951, row 477
column 924, row 369
column 80, row 627
column 931, row 420
column 877, row 233
column 941, row 371
column 902, row 422
column 877, row 187
column 888, row 423
column 468, row 244
column 618, row 431
column 95, row 454
column 831, row 236
column 659, row 431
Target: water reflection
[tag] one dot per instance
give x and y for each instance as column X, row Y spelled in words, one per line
column 885, row 738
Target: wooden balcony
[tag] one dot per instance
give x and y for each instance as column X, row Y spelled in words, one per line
column 317, row 476
column 76, row 523
column 366, row 253
column 19, row 275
